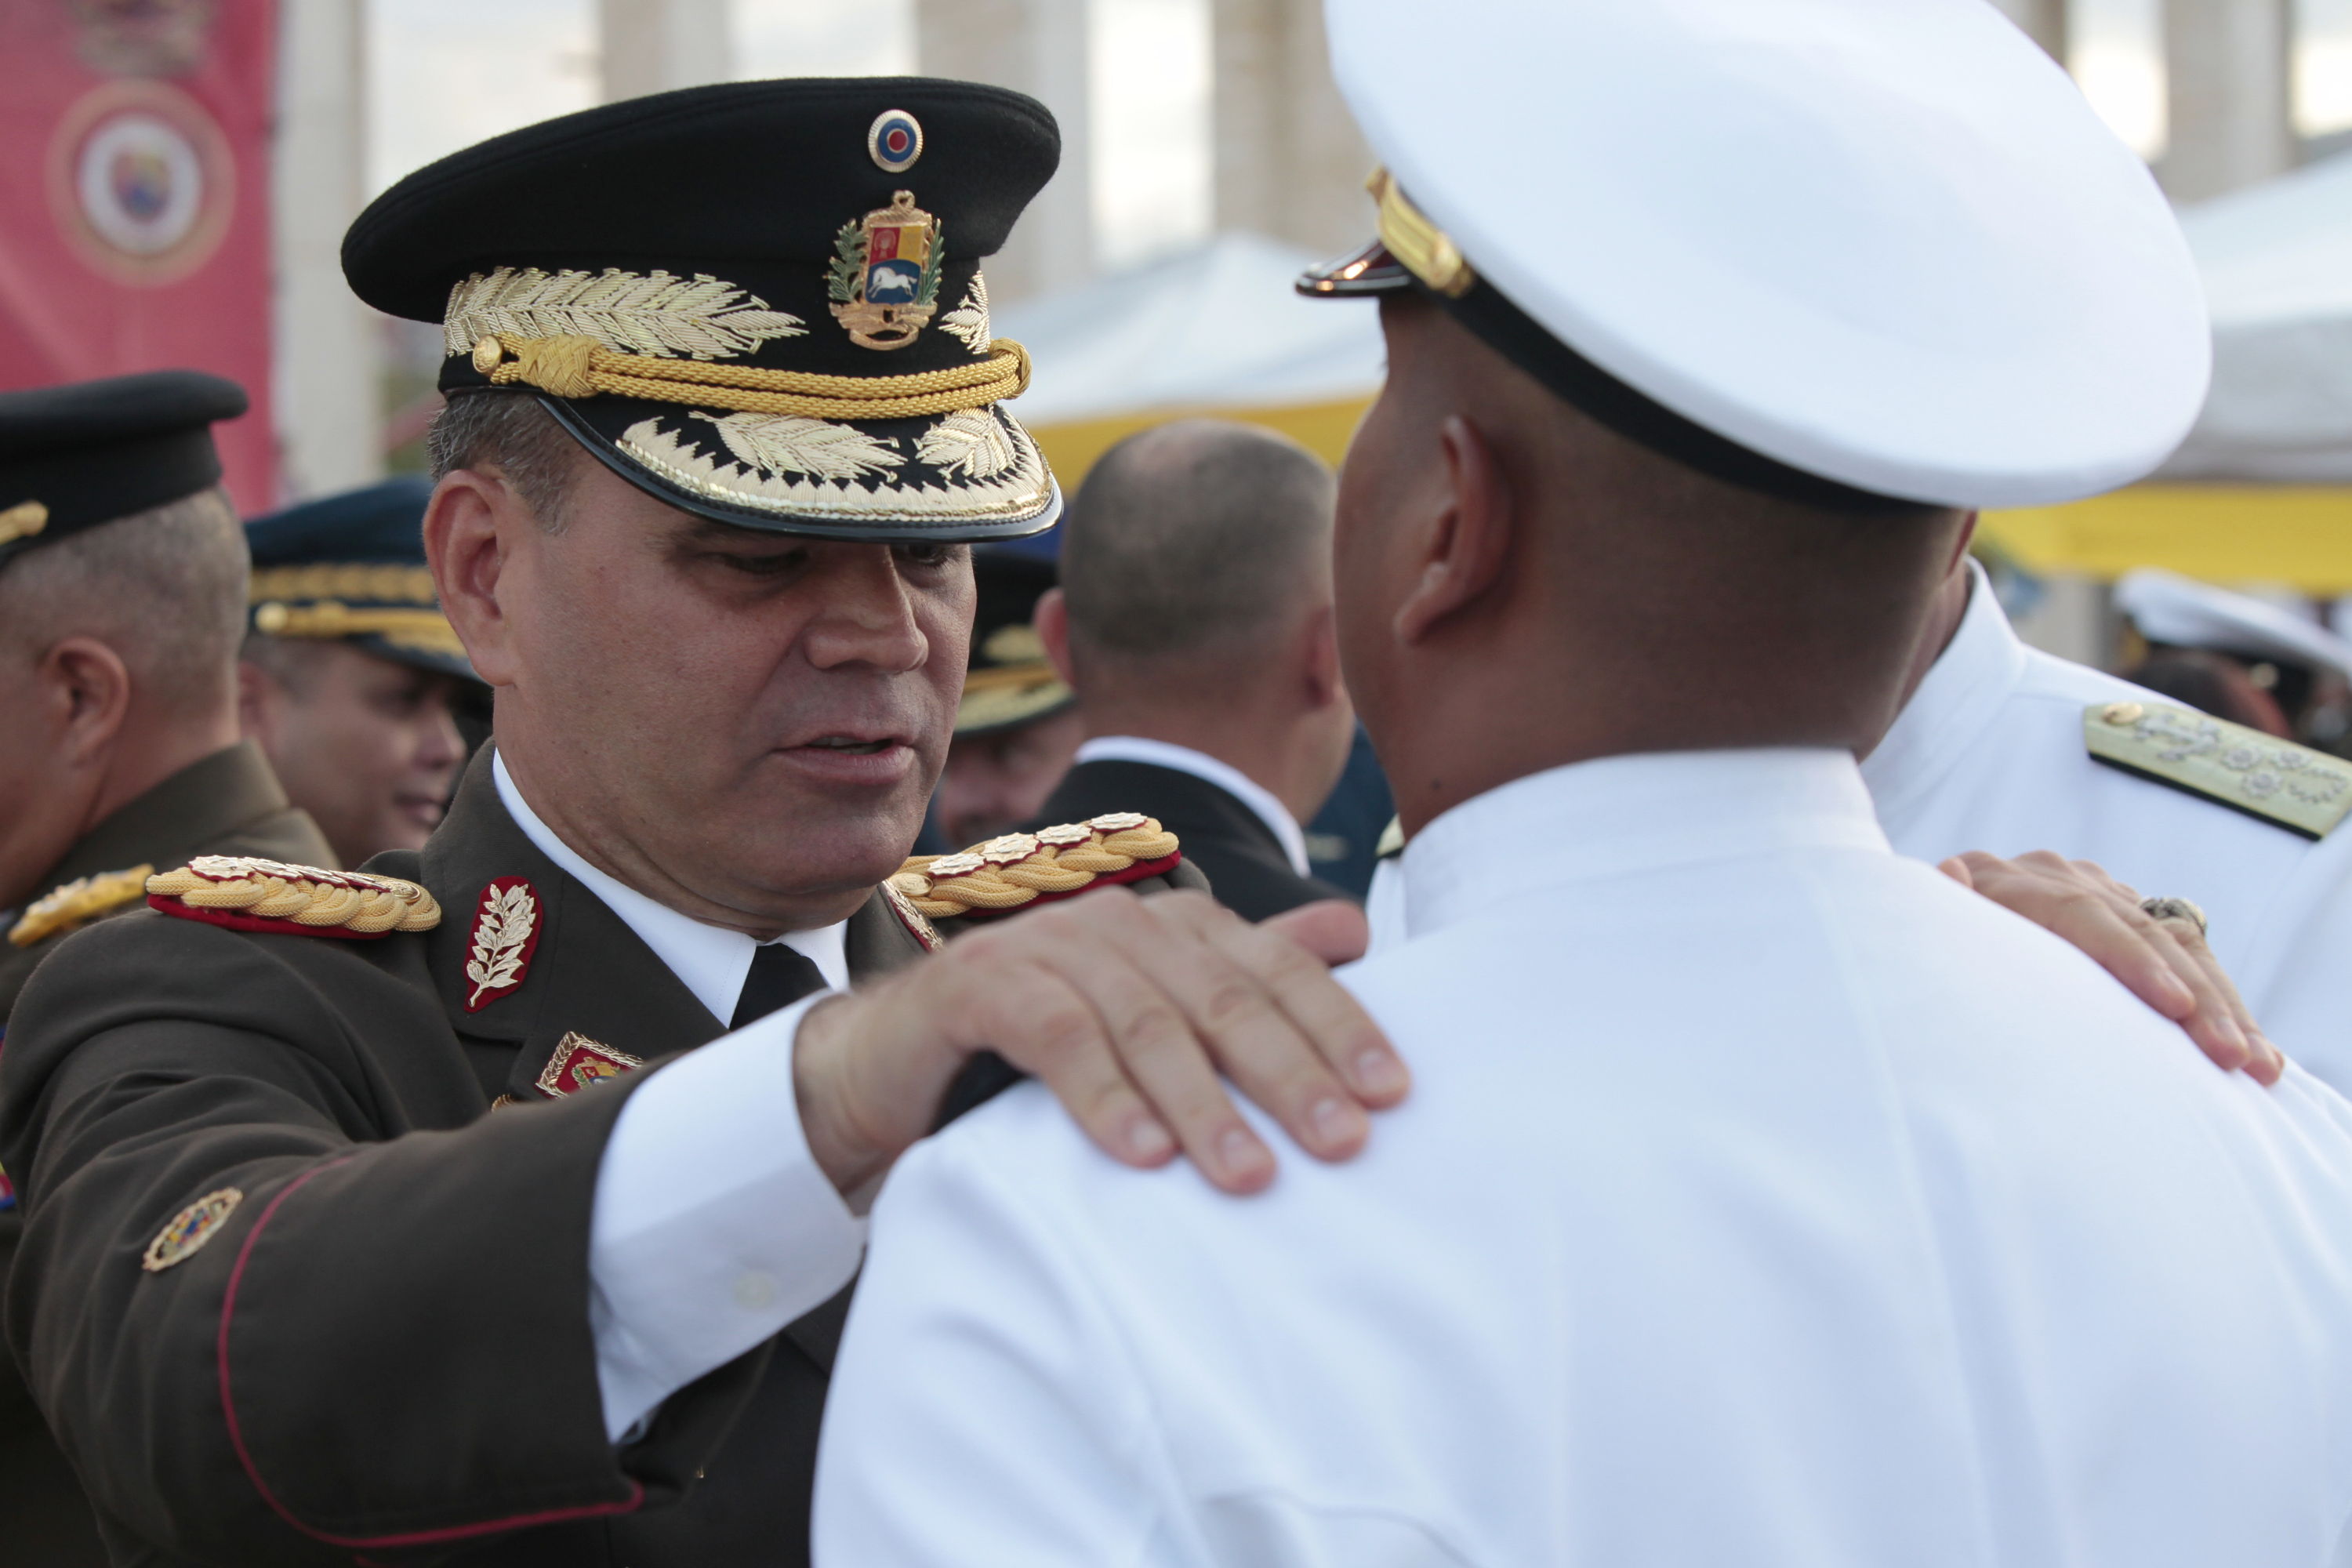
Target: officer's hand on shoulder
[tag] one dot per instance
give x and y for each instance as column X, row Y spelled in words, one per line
column 1129, row 1008
column 2160, row 954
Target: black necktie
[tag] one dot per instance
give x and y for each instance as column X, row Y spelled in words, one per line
column 780, row 976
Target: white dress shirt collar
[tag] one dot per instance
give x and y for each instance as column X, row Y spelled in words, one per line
column 1962, row 693
column 1200, row 765
column 709, row 960
column 1620, row 816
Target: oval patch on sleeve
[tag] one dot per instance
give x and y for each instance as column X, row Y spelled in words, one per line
column 190, row 1229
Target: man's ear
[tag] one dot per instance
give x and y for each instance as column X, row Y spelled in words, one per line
column 1466, row 540
column 1320, row 663
column 465, row 548
column 1960, row 545
column 258, row 694
column 87, row 690
column 1052, row 620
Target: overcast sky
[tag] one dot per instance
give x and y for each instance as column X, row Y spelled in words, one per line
column 446, row 73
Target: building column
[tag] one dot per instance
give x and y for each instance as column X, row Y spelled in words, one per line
column 652, row 45
column 2229, row 94
column 2045, row 22
column 1287, row 158
column 1039, row 47
column 328, row 347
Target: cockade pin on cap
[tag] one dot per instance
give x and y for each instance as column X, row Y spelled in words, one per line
column 759, row 301
column 1854, row 253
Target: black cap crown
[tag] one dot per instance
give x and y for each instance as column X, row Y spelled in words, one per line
column 761, row 301
column 75, row 455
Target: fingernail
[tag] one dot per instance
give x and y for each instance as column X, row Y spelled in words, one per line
column 1379, row 1072
column 1335, row 1121
column 1239, row 1153
column 1147, row 1139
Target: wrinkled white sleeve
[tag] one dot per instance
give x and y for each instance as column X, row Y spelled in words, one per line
column 983, row 1410
column 712, row 1226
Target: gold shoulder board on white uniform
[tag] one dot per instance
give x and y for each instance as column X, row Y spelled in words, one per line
column 2288, row 786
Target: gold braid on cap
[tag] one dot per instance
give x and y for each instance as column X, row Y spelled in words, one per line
column 1019, row 868
column 1427, row 252
column 571, row 366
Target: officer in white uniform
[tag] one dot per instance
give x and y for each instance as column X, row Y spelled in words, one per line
column 1734, row 1217
column 2007, row 749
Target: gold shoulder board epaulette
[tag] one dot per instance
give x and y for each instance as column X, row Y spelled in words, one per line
column 1023, row 868
column 246, row 893
column 1392, row 839
column 2288, row 786
column 81, row 900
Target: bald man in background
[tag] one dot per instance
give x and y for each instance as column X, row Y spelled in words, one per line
column 122, row 587
column 1194, row 621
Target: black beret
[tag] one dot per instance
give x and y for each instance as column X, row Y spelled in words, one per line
column 795, row 264
column 75, row 455
column 351, row 567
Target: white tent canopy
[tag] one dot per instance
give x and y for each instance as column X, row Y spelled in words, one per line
column 1214, row 327
column 2277, row 262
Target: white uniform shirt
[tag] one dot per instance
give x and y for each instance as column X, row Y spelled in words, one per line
column 1988, row 755
column 1734, row 1220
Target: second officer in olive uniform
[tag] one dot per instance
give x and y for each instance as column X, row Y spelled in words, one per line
column 121, row 584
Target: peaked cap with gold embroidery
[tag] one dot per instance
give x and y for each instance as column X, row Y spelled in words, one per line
column 759, row 302
column 350, row 567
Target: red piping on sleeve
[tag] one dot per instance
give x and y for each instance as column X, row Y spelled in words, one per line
column 412, row 1538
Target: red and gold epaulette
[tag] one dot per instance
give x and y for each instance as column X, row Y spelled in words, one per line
column 246, row 894
column 82, row 900
column 1023, row 869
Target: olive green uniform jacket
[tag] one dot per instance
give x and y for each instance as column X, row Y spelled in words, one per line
column 384, row 1353
column 228, row 803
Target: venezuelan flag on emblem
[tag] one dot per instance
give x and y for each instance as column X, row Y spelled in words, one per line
column 134, row 172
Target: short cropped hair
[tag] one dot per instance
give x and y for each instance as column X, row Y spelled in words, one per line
column 1196, row 537
column 513, row 434
column 165, row 588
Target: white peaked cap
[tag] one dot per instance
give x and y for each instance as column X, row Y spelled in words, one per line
column 1885, row 242
column 2170, row 608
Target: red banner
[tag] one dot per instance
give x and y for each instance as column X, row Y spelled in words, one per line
column 135, row 200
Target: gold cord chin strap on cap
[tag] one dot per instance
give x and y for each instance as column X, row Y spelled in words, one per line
column 582, row 367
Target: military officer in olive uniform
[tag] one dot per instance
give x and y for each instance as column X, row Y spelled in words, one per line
column 121, row 587
column 364, row 1216
column 353, row 680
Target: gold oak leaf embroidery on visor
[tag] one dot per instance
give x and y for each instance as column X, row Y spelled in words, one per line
column 787, row 444
column 968, row 445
